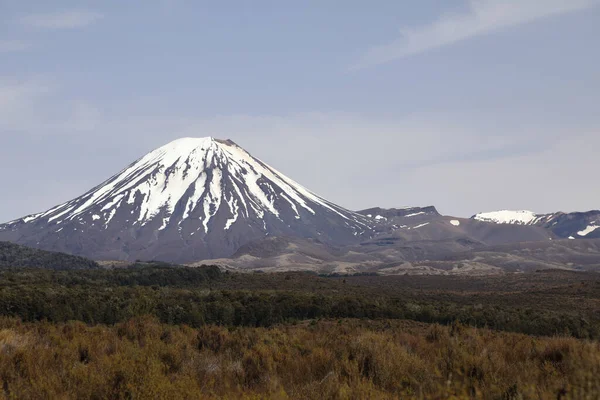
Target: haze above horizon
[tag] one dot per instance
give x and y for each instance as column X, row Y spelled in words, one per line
column 470, row 106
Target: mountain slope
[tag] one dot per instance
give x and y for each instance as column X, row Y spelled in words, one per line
column 414, row 240
column 575, row 225
column 13, row 256
column 426, row 224
column 188, row 200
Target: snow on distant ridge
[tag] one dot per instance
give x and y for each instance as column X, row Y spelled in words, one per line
column 420, row 226
column 588, row 230
column 520, row 217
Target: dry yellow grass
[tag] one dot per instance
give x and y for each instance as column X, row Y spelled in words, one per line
column 349, row 359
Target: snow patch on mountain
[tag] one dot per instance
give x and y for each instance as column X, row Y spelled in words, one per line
column 415, row 214
column 520, row 217
column 588, row 230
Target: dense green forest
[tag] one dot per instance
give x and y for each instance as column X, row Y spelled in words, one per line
column 13, row 255
column 546, row 303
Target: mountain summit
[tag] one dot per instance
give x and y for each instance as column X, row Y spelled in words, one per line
column 191, row 199
column 574, row 225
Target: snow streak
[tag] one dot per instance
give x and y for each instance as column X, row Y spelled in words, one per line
column 196, row 179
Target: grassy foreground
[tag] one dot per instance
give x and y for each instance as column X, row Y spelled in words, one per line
column 345, row 359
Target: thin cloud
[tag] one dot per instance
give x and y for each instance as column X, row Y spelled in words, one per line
column 62, row 20
column 481, row 17
column 432, row 158
column 23, row 102
column 10, row 46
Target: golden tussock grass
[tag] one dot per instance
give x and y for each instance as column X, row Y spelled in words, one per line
column 346, row 359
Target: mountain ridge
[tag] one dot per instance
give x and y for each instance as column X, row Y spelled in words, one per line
column 199, row 199
column 572, row 225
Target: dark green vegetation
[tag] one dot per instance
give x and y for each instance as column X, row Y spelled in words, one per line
column 544, row 303
column 13, row 255
column 167, row 332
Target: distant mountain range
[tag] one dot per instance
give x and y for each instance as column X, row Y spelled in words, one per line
column 194, row 200
column 421, row 241
column 576, row 225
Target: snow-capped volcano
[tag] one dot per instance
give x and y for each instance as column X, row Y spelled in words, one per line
column 190, row 199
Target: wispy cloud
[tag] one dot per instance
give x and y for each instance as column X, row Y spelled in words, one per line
column 481, row 17
column 9, row 46
column 61, row 20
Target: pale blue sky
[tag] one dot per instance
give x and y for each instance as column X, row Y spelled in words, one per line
column 467, row 105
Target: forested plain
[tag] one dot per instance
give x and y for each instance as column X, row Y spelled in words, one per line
column 160, row 331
